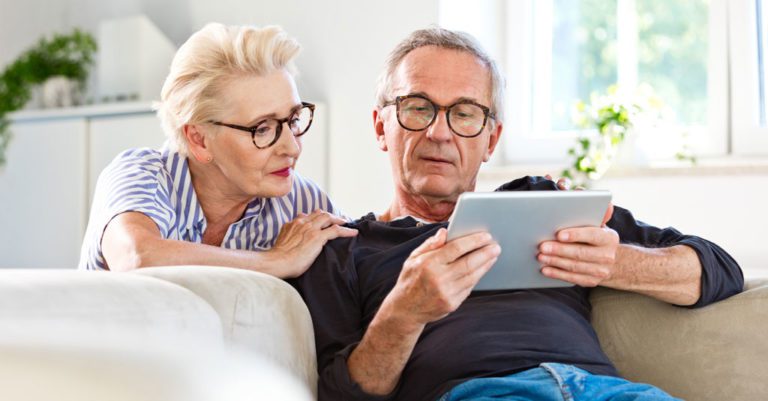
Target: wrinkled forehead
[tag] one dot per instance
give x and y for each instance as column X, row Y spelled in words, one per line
column 444, row 75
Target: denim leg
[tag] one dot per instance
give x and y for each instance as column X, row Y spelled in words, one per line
column 531, row 385
column 585, row 386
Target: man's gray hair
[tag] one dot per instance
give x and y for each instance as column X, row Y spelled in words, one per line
column 447, row 39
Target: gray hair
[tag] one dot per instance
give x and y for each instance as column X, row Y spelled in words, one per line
column 446, row 39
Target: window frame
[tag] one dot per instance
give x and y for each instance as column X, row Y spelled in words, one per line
column 748, row 137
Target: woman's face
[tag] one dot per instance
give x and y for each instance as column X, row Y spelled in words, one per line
column 247, row 170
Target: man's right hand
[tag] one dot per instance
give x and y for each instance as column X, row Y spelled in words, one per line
column 436, row 278
column 439, row 275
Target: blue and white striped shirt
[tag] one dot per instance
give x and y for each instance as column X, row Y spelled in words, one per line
column 159, row 185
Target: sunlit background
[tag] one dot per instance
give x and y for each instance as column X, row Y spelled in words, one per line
column 698, row 63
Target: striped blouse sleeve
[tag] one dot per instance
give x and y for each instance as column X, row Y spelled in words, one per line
column 134, row 182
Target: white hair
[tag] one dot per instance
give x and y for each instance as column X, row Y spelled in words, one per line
column 446, row 39
column 207, row 62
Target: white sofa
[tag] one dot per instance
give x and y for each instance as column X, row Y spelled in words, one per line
column 190, row 332
column 175, row 333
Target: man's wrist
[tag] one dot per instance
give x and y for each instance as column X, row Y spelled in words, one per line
column 395, row 319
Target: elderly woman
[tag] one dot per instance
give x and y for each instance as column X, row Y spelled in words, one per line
column 222, row 190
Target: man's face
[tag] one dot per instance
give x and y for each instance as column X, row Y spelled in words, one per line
column 434, row 162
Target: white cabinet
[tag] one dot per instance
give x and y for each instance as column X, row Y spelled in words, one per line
column 47, row 184
column 43, row 198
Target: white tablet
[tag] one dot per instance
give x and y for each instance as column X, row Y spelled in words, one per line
column 519, row 221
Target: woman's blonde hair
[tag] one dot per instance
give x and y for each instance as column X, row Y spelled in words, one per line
column 208, row 61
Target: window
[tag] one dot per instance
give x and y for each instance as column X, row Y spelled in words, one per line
column 556, row 52
column 761, row 43
column 749, row 58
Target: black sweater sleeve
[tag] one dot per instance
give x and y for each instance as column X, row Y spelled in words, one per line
column 721, row 276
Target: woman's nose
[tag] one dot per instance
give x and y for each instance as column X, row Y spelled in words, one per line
column 288, row 144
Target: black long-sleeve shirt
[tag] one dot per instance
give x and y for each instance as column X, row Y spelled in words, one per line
column 493, row 333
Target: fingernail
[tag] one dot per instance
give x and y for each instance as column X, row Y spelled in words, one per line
column 496, row 250
column 564, row 236
column 546, row 248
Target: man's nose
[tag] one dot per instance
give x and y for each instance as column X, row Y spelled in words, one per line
column 439, row 131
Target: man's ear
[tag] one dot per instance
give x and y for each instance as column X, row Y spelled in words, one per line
column 196, row 143
column 378, row 127
column 493, row 140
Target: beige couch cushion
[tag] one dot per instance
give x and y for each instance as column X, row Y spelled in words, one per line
column 719, row 352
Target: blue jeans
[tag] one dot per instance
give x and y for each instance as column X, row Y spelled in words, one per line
column 554, row 382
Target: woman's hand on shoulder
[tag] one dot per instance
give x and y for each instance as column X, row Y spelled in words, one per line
column 301, row 240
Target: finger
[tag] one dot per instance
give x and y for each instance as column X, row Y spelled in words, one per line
column 564, row 183
column 466, row 284
column 299, row 219
column 575, row 266
column 434, row 242
column 323, row 219
column 587, row 235
column 547, row 176
column 319, row 213
column 580, row 252
column 461, row 246
column 473, row 260
column 337, row 231
column 608, row 214
column 573, row 278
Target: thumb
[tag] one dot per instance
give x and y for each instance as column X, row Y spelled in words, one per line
column 608, row 213
column 434, row 242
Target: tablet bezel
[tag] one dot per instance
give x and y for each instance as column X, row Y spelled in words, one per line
column 533, row 216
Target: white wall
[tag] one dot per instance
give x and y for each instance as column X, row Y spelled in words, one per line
column 345, row 43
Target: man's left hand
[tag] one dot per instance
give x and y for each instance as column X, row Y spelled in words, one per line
column 584, row 256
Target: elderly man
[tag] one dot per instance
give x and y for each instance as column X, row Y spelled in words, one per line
column 394, row 312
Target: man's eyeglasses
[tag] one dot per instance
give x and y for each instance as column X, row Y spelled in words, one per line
column 267, row 132
column 465, row 117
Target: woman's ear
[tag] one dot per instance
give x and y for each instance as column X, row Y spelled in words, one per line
column 196, row 143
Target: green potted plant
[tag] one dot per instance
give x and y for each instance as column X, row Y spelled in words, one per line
column 606, row 123
column 68, row 56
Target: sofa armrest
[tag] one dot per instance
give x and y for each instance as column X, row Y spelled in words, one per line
column 259, row 313
column 53, row 302
column 718, row 352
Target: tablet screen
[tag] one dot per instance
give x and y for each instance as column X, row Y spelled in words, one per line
column 519, row 222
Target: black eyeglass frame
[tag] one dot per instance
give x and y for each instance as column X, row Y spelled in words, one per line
column 437, row 108
column 280, row 122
